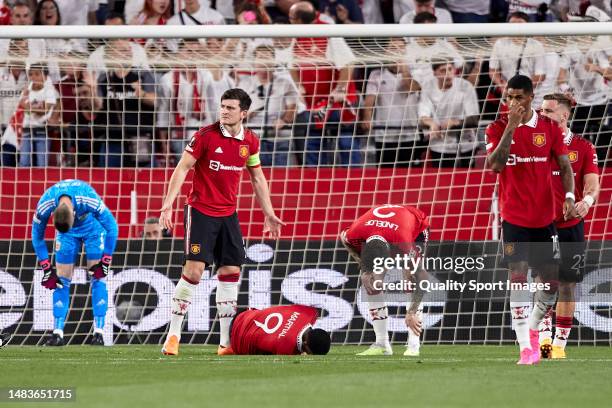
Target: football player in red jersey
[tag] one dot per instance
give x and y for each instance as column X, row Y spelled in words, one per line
column 583, row 159
column 521, row 148
column 218, row 153
column 282, row 330
column 384, row 232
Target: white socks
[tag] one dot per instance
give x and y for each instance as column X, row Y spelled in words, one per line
column 520, row 323
column 379, row 315
column 542, row 302
column 545, row 327
column 227, row 299
column 414, row 341
column 180, row 303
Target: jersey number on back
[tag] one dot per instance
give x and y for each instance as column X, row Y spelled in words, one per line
column 377, row 211
column 266, row 327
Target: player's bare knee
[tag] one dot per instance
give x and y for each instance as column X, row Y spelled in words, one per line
column 193, row 270
column 228, row 270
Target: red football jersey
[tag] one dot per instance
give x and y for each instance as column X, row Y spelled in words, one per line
column 275, row 330
column 221, row 158
column 316, row 78
column 525, row 186
column 583, row 158
column 399, row 225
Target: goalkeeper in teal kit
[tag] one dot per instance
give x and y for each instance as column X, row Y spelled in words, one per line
column 81, row 219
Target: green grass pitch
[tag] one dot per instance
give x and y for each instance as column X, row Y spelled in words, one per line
column 444, row 376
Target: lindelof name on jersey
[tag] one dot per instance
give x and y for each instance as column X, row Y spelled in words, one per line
column 382, row 224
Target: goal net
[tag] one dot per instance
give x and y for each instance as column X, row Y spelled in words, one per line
column 346, row 123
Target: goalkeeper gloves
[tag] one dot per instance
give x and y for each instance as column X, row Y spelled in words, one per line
column 50, row 279
column 101, row 269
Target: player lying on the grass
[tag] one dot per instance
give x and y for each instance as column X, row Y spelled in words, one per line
column 282, row 330
column 583, row 159
column 384, row 232
column 80, row 218
column 522, row 147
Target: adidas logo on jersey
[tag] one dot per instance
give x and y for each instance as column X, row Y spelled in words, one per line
column 219, row 150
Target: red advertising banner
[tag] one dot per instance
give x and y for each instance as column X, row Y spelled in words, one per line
column 316, row 203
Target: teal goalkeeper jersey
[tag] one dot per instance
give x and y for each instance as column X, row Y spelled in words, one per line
column 88, row 207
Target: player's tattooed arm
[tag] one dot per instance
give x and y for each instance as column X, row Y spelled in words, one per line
column 567, row 178
column 498, row 159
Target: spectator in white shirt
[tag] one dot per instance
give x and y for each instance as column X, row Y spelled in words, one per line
column 427, row 6
column 96, row 65
column 390, row 110
column 38, row 102
column 13, row 81
column 517, row 55
column 48, row 13
column 194, row 14
column 421, row 50
column 449, row 112
column 588, row 72
column 214, row 55
column 556, row 73
column 183, row 100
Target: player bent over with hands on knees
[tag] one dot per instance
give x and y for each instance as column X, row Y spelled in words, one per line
column 218, row 154
column 521, row 148
column 281, row 330
column 80, row 218
column 383, row 232
column 583, row 159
